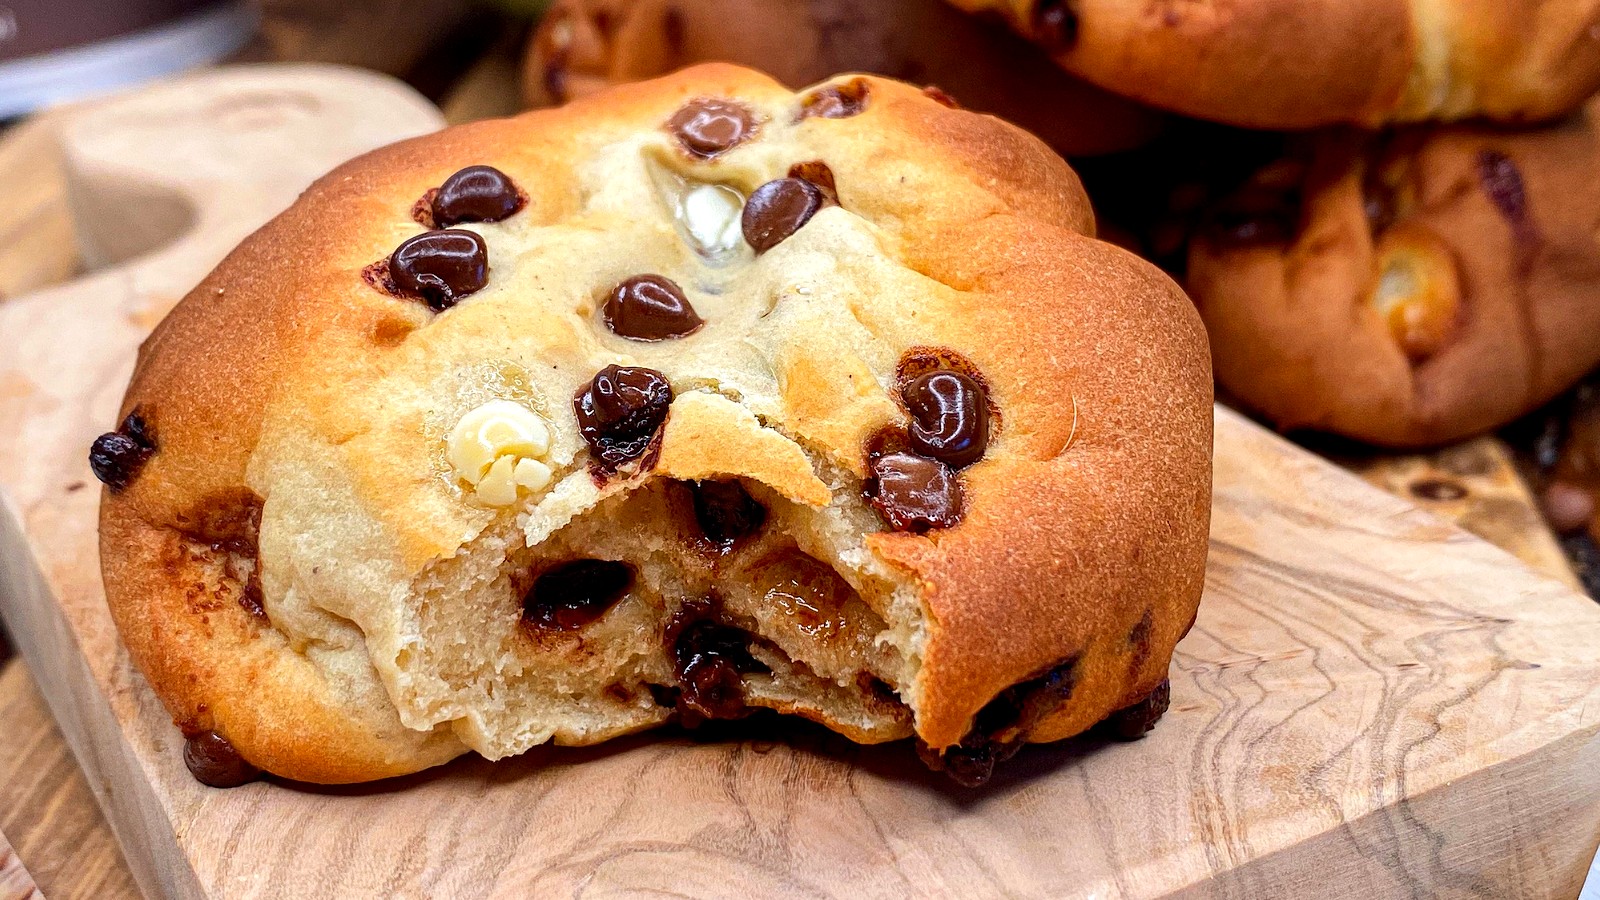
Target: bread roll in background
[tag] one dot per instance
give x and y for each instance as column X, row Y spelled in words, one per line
column 584, row 45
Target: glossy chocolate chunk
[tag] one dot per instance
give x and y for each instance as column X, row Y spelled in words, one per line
column 777, row 210
column 726, row 511
column 708, row 126
column 914, row 493
column 835, row 101
column 214, row 762
column 475, row 194
column 1134, row 722
column 117, row 456
column 440, row 267
column 949, row 417
column 711, row 659
column 574, row 594
column 650, row 308
column 619, row 412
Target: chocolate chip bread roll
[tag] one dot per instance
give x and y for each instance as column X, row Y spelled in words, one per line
column 582, row 46
column 692, row 398
column 1407, row 289
column 1306, row 63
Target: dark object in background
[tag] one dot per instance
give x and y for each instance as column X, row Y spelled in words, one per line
column 585, row 45
column 57, row 50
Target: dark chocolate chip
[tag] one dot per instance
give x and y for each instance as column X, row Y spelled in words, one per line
column 574, row 594
column 726, row 511
column 1055, row 25
column 214, row 762
column 650, row 308
column 1134, row 722
column 475, row 194
column 440, row 267
column 914, row 493
column 711, row 659
column 1502, row 181
column 777, row 210
column 835, row 101
column 949, row 417
column 117, row 457
column 1002, row 726
column 619, row 412
column 708, row 126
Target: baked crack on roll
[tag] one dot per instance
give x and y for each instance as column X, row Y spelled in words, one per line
column 693, row 398
column 1409, row 288
column 1292, row 64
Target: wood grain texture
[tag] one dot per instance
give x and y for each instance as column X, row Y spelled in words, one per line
column 15, row 882
column 1476, row 485
column 1373, row 703
column 46, row 807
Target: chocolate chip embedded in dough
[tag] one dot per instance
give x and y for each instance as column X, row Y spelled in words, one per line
column 650, row 308
column 709, row 126
column 440, row 267
column 619, row 412
column 117, row 457
column 778, row 209
column 213, row 761
column 949, row 417
column 914, row 493
column 836, row 101
column 1134, row 722
column 475, row 194
column 574, row 594
column 726, row 512
column 1055, row 25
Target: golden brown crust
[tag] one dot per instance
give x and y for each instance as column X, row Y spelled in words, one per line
column 583, row 46
column 1429, row 285
column 284, row 376
column 1307, row 63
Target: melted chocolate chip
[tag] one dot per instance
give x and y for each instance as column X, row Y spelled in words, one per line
column 1055, row 25
column 835, row 101
column 914, row 493
column 475, row 194
column 726, row 511
column 214, row 762
column 709, row 126
column 1502, row 181
column 574, row 594
column 650, row 308
column 949, row 417
column 117, row 457
column 1134, row 722
column 777, row 210
column 440, row 267
column 1002, row 727
column 619, row 412
column 711, row 659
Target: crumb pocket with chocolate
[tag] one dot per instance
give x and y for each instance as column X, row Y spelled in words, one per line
column 676, row 403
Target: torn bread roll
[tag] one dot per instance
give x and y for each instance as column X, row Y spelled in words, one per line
column 499, row 437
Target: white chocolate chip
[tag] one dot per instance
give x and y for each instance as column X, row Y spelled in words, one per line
column 497, row 448
column 710, row 214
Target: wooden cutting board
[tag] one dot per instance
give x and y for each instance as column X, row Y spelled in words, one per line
column 1373, row 703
